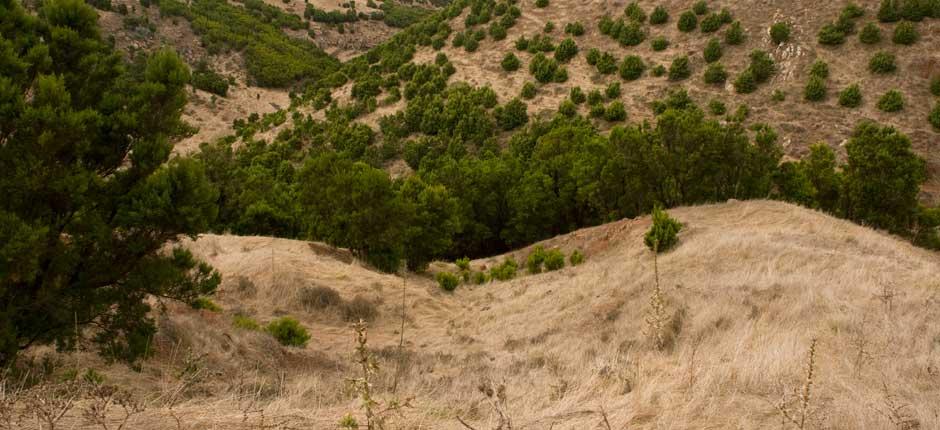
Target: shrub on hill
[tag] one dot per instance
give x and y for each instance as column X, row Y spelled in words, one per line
column 597, row 111
column 935, row 85
column 658, row 70
column 208, row 80
column 544, row 69
column 934, row 117
column 659, row 16
column 606, row 63
column 870, row 34
column 505, row 271
column 568, row 108
column 528, row 90
column 715, row 74
column 595, row 97
column 288, row 332
column 615, row 112
column 735, row 34
column 510, row 62
column 613, row 90
column 905, row 34
column 659, row 44
column 576, row 257
column 535, row 260
column 512, row 115
column 574, row 28
column 541, row 3
column 687, row 22
column 762, row 66
column 815, row 89
column 851, row 96
column 576, row 95
column 711, row 23
column 891, row 101
column 713, row 50
column 778, row 96
column 830, row 34
column 700, row 7
column 663, row 234
column 554, row 260
column 820, row 69
column 882, row 63
column 679, row 69
column 635, row 13
column 566, row 50
column 745, row 83
column 780, row 32
column 631, row 68
column 717, row 107
column 447, row 281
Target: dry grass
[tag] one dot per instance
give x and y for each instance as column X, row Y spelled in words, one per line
column 757, row 281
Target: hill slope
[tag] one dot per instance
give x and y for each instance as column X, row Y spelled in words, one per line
column 748, row 287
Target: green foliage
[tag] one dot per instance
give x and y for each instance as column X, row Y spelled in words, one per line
column 574, row 28
column 905, row 34
column 815, row 89
column 497, row 31
column 851, row 96
column 830, row 34
column 713, row 50
column 554, row 260
column 659, row 16
column 471, row 44
column 819, row 69
column 935, row 85
column 634, row 12
column 316, row 14
column 687, row 22
column 934, row 117
column 513, row 115
column 505, row 271
column 762, row 66
column 541, row 3
column 510, row 62
column 780, row 32
column 700, row 7
column 535, row 260
column 206, row 304
column 853, row 11
column 631, row 68
column 870, row 34
column 715, row 74
column 663, row 234
column 679, row 69
column 348, row 422
column 778, row 96
column 576, row 258
column 447, row 281
column 745, row 83
column 628, row 33
column 735, row 34
column 711, row 23
column 717, row 107
column 549, row 27
column 463, row 264
column 658, row 70
column 566, row 50
column 576, row 95
column 92, row 207
column 595, row 98
column 606, row 63
column 615, row 112
column 597, row 111
column 528, row 90
column 882, row 63
column 544, row 69
column 568, row 108
column 659, row 44
column 400, row 15
column 889, row 11
column 245, row 323
column 613, row 90
column 288, row 332
column 891, row 101
column 208, row 80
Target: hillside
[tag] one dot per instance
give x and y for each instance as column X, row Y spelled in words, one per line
column 747, row 288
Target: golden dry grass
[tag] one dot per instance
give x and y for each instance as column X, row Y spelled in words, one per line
column 747, row 288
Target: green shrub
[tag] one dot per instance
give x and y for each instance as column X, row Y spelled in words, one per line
column 505, row 271
column 780, row 32
column 632, row 68
column 659, row 16
column 762, row 66
column 348, row 422
column 510, row 62
column 497, row 31
column 576, row 257
column 288, row 332
column 659, row 43
column 778, row 96
column 700, row 7
column 512, row 115
column 815, row 89
column 479, row 278
column 891, row 101
column 554, row 260
column 595, row 98
column 593, row 56
column 522, row 44
column 687, row 22
column 870, row 34
column 541, row 3
column 889, row 11
column 905, row 34
column 934, row 116
column 206, row 304
column 711, row 23
column 566, row 50
column 447, row 281
column 853, row 11
column 543, row 68
column 597, row 111
column 830, row 34
column 745, row 82
column 851, row 96
column 568, row 108
column 574, row 28
column 819, row 69
column 613, row 90
column 528, row 91
column 615, row 112
column 658, row 70
column 735, row 34
column 606, row 64
column 577, row 95
column 471, row 44
column 549, row 27
column 935, row 85
column 244, row 322
column 679, row 69
column 463, row 264
column 717, row 107
column 662, row 235
column 635, row 12
column 715, row 74
column 207, row 80
column 882, row 63
column 713, row 50
column 535, row 260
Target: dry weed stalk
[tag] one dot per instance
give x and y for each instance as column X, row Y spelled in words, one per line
column 496, row 397
column 50, row 402
column 375, row 417
column 657, row 317
column 895, row 410
column 102, row 398
column 193, row 372
column 798, row 417
column 10, row 396
column 887, row 296
column 695, row 346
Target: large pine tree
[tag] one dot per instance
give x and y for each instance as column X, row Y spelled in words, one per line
column 88, row 199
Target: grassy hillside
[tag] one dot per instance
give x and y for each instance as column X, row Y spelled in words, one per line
column 746, row 290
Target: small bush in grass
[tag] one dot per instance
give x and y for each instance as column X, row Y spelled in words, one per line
column 741, row 114
column 505, row 271
column 870, row 34
column 659, row 44
column 851, row 96
column 535, row 260
column 522, row 44
column 778, row 96
column 935, row 85
column 662, row 235
column 541, row 3
column 659, row 16
column 206, row 304
column 819, row 69
column 574, row 28
column 463, row 264
column 288, row 332
column 549, row 27
column 510, row 62
column 497, row 31
column 745, row 82
column 713, row 50
column 853, row 11
column 447, row 281
column 631, row 68
column 348, row 422
column 687, row 22
column 815, row 89
column 762, row 66
column 711, row 23
column 780, row 32
column 831, row 35
column 658, row 70
column 597, row 111
column 479, row 278
column 635, row 12
column 543, row 68
column 889, row 11
column 576, row 257
column 614, row 112
column 715, row 74
column 471, row 45
column 554, row 260
column 566, row 50
column 735, row 34
column 934, row 116
column 700, row 7
column 244, row 322
column 318, row 297
column 717, row 107
column 613, row 90
column 528, row 91
column 359, row 308
column 679, row 69
column 568, row 108
column 595, row 98
column 606, row 64
column 891, row 101
column 593, row 56
column 577, row 95
column 561, row 75
column 905, row 34
column 845, row 24
column 882, row 63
